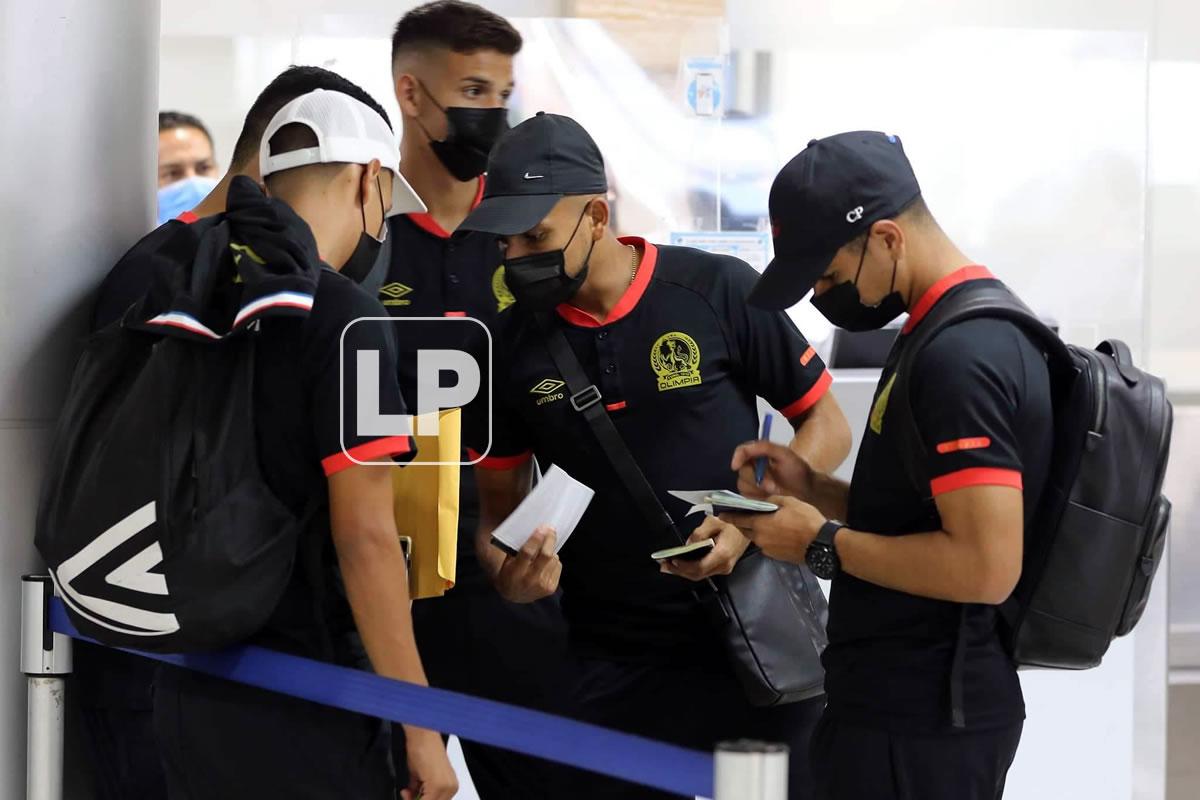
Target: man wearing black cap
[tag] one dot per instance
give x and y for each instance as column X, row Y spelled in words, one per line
column 923, row 701
column 677, row 358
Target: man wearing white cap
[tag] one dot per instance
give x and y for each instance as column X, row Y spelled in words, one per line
column 331, row 167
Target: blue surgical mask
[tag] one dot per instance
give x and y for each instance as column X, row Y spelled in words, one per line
column 181, row 196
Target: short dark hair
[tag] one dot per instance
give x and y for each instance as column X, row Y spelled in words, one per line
column 293, row 82
column 292, row 137
column 456, row 26
column 170, row 120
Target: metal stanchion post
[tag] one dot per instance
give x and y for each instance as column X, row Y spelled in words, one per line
column 45, row 660
column 749, row 770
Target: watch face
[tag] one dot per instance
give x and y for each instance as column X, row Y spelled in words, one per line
column 822, row 560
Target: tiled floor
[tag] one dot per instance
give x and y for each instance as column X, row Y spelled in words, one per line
column 1183, row 743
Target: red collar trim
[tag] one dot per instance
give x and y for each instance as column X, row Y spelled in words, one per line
column 187, row 217
column 427, row 223
column 629, row 300
column 928, row 300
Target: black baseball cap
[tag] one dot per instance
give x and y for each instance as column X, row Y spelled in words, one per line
column 534, row 165
column 825, row 197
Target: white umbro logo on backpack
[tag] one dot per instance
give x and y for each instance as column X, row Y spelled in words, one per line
column 855, row 215
column 135, row 574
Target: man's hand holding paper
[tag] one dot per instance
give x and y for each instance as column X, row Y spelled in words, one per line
column 533, row 572
column 531, row 569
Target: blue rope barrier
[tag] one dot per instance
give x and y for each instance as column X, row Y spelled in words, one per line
column 622, row 755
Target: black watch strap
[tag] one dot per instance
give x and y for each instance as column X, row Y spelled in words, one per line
column 828, row 531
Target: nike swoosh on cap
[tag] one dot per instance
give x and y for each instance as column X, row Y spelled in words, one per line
column 529, row 177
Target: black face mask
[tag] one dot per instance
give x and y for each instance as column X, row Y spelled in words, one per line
column 470, row 135
column 843, row 306
column 539, row 282
column 366, row 252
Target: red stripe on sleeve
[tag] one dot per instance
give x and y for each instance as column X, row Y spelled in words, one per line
column 499, row 462
column 810, row 397
column 808, row 356
column 976, row 476
column 371, row 451
column 972, row 443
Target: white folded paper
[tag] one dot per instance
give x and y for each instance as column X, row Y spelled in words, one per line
column 558, row 500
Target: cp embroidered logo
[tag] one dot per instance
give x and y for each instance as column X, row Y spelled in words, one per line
column 675, row 359
column 395, row 294
column 854, row 215
column 504, row 297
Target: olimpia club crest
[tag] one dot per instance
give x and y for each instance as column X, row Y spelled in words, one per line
column 675, row 359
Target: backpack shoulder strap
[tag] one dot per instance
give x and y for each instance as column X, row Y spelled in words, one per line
column 986, row 298
column 587, row 400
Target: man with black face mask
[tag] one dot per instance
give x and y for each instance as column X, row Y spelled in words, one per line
column 923, row 699
column 452, row 68
column 330, row 167
column 677, row 359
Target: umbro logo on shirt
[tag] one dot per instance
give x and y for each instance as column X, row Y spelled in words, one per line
column 393, row 294
column 549, row 389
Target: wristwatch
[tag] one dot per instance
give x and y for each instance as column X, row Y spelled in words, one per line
column 821, row 556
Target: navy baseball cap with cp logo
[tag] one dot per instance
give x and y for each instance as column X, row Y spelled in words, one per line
column 824, row 198
column 533, row 166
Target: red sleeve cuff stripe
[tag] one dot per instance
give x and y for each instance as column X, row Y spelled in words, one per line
column 976, row 476
column 499, row 462
column 371, row 451
column 810, row 397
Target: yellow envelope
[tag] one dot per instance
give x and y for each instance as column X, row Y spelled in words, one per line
column 426, row 506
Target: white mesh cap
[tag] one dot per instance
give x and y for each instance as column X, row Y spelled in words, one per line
column 348, row 132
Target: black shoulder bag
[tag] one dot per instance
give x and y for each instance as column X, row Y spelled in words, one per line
column 770, row 614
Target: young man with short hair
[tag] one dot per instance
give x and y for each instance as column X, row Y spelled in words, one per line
column 113, row 688
column 452, row 69
column 329, row 163
column 665, row 337
column 924, row 701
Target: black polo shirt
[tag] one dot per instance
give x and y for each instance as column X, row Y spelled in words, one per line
column 679, row 362
column 300, row 421
column 980, row 395
column 433, row 274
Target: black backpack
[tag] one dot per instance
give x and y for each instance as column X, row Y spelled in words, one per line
column 154, row 519
column 1100, row 529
